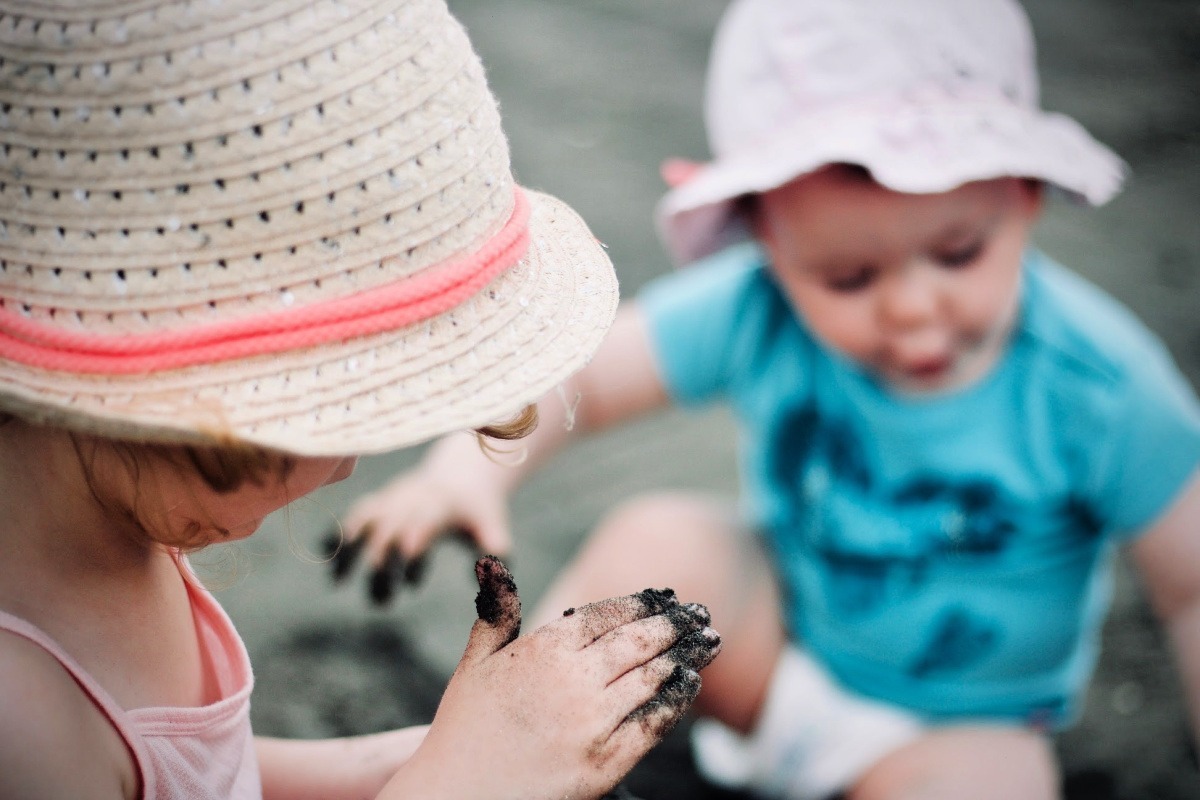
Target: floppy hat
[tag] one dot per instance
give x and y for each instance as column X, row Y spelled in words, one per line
column 926, row 94
column 286, row 222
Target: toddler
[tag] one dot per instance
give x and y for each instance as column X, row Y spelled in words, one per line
column 945, row 435
column 240, row 244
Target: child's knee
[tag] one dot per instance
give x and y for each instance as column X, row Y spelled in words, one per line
column 667, row 519
column 686, row 542
column 979, row 762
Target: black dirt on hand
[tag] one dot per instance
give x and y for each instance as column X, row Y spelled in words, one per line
column 676, row 693
column 696, row 650
column 658, row 600
column 387, row 576
column 688, row 618
column 497, row 601
column 343, row 554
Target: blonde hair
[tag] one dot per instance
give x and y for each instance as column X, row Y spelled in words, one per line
column 518, row 427
column 224, row 468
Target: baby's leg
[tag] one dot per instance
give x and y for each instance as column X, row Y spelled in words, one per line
column 980, row 762
column 696, row 547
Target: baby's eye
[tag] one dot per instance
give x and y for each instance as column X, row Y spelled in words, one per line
column 958, row 257
column 850, row 282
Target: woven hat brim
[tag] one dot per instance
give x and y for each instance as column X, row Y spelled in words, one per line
column 927, row 149
column 506, row 347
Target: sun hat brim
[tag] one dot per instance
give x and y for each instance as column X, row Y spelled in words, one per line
column 925, row 147
column 526, row 332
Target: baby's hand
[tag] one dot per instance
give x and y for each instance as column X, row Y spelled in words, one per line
column 566, row 711
column 391, row 529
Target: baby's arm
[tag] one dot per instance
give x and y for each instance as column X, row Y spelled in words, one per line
column 1168, row 557
column 458, row 486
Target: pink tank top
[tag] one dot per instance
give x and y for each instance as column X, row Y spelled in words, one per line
column 204, row 753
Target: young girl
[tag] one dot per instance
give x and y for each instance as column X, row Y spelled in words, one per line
column 945, row 435
column 241, row 243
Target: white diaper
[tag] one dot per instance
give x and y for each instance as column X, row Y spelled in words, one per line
column 814, row 738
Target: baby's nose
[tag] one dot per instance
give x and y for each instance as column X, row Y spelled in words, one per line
column 909, row 298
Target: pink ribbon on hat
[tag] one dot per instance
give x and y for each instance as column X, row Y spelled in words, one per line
column 387, row 307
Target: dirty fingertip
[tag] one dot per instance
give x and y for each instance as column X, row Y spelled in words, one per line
column 657, row 601
column 662, row 713
column 386, row 576
column 497, row 602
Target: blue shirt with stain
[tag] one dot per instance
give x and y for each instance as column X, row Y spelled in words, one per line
column 948, row 553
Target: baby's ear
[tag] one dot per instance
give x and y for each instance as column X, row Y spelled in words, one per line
column 678, row 171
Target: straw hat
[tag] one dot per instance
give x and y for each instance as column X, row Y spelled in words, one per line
column 926, row 94
column 289, row 222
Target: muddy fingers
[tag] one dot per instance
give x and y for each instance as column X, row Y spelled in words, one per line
column 497, row 596
column 570, row 708
column 386, row 576
column 659, row 715
column 696, row 650
column 386, row 573
column 498, row 607
column 586, row 624
column 674, row 696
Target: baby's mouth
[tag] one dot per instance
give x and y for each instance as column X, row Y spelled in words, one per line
column 928, row 369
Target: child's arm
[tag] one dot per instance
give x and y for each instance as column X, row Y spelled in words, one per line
column 457, row 485
column 354, row 766
column 1168, row 557
column 565, row 711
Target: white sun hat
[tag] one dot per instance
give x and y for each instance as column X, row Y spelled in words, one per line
column 926, row 94
column 290, row 223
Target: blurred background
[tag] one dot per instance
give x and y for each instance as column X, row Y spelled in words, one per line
column 594, row 96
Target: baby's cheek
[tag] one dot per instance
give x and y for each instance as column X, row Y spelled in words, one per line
column 848, row 328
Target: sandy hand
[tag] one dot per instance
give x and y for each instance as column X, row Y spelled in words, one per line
column 567, row 710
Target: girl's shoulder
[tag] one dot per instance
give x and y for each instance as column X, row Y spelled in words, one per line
column 54, row 741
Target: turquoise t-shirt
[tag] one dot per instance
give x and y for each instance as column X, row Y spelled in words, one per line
column 950, row 554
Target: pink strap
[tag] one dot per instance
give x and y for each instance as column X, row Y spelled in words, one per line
column 395, row 305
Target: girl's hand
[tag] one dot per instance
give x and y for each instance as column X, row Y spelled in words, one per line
column 566, row 711
column 391, row 529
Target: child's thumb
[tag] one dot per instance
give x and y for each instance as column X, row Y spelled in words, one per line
column 498, row 607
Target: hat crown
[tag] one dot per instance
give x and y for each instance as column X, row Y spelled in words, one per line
column 169, row 164
column 775, row 61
